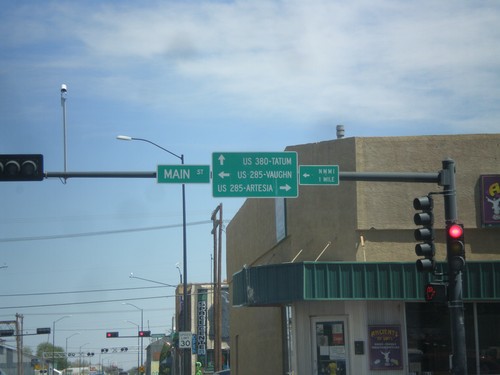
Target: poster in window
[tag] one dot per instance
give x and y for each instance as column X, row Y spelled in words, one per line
column 490, row 200
column 385, row 347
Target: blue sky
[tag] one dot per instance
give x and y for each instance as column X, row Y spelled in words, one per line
column 198, row 77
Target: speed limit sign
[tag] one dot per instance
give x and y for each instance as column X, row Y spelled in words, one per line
column 185, row 339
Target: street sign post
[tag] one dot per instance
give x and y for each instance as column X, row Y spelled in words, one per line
column 183, row 174
column 319, row 174
column 255, row 174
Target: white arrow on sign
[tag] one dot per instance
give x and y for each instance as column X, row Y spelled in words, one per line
column 286, row 187
column 224, row 174
column 221, row 159
column 306, row 175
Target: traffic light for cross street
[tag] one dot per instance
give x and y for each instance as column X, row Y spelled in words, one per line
column 21, row 167
column 425, row 234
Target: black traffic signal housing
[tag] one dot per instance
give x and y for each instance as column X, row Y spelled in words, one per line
column 144, row 334
column 455, row 246
column 43, row 331
column 21, row 167
column 111, row 334
column 425, row 234
column 6, row 332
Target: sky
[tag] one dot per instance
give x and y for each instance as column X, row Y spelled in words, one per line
column 198, row 77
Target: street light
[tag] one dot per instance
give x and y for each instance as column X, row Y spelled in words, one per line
column 184, row 240
column 142, row 328
column 180, row 273
column 137, row 325
column 132, row 276
column 80, row 356
column 67, row 338
column 54, row 339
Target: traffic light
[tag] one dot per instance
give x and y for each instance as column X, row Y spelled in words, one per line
column 42, row 331
column 436, row 292
column 111, row 334
column 6, row 332
column 26, row 167
column 144, row 333
column 425, row 234
column 455, row 246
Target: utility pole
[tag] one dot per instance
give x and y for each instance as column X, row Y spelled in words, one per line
column 217, row 224
column 19, row 342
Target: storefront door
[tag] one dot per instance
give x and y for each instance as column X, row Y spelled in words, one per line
column 330, row 351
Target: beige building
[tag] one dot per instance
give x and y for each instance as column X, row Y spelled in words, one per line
column 326, row 283
column 202, row 327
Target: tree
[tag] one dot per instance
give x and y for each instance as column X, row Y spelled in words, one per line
column 28, row 350
column 166, row 359
column 48, row 348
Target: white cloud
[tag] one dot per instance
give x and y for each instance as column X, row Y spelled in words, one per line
column 372, row 61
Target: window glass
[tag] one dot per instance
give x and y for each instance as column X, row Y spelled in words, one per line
column 429, row 338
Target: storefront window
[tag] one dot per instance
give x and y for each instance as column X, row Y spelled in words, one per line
column 429, row 338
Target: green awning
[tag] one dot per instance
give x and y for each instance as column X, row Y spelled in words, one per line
column 277, row 284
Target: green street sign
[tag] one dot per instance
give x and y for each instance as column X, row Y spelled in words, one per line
column 319, row 174
column 183, row 174
column 255, row 174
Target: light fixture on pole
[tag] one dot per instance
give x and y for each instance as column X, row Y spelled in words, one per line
column 138, row 360
column 132, row 276
column 67, row 338
column 54, row 340
column 80, row 356
column 185, row 315
column 180, row 273
column 142, row 328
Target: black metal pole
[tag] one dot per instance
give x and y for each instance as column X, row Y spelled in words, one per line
column 455, row 298
column 113, row 174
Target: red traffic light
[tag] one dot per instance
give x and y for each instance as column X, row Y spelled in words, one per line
column 111, row 334
column 144, row 333
column 455, row 231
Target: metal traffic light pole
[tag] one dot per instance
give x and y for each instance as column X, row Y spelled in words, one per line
column 455, row 298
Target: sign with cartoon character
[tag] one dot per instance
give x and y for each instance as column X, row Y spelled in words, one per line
column 385, row 347
column 490, row 200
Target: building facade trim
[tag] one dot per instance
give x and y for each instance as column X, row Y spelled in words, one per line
column 280, row 284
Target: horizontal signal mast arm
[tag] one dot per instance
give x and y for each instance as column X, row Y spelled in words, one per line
column 391, row 176
column 100, row 175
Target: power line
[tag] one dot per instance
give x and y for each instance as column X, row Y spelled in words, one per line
column 99, row 233
column 83, row 302
column 80, row 291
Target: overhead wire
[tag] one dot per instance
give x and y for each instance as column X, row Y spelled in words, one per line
column 99, row 233
column 81, row 291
